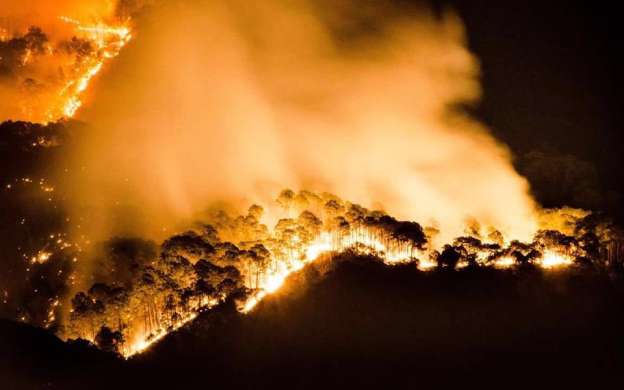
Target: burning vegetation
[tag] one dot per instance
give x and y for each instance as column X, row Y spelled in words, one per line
column 142, row 291
column 43, row 78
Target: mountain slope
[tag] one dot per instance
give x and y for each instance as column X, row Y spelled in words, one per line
column 354, row 322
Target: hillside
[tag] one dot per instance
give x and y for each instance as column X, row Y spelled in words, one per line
column 354, row 322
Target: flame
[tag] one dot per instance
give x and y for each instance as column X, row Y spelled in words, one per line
column 385, row 130
column 326, row 242
column 49, row 81
column 108, row 40
column 41, row 257
column 143, row 342
column 504, row 262
column 552, row 259
column 360, row 240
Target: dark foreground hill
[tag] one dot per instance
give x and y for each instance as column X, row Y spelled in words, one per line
column 32, row 358
column 357, row 323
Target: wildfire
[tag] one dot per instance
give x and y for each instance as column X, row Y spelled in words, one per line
column 108, row 41
column 51, row 73
column 326, row 242
column 239, row 257
column 362, row 241
column 552, row 259
column 41, row 257
column 504, row 262
column 144, row 342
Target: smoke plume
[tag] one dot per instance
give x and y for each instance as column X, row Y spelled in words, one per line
column 233, row 101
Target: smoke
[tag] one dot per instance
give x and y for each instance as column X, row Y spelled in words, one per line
column 233, row 101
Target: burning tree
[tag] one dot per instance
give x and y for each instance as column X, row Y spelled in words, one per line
column 157, row 290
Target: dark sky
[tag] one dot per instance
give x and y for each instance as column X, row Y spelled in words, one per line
column 549, row 73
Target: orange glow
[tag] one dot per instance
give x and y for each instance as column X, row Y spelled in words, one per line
column 504, row 262
column 552, row 259
column 41, row 257
column 259, row 120
column 143, row 342
column 109, row 40
column 51, row 82
column 291, row 248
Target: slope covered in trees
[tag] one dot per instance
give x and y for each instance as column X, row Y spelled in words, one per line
column 353, row 321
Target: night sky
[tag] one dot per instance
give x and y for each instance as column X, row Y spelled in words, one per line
column 551, row 84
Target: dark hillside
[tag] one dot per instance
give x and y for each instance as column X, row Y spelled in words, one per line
column 354, row 323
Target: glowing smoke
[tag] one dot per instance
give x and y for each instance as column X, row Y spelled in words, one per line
column 227, row 100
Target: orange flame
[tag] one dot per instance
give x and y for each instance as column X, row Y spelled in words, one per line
column 109, row 40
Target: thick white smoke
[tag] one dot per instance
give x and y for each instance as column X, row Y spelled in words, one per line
column 236, row 100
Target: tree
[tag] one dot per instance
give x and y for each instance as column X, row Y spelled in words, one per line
column 285, row 199
column 209, row 234
column 411, row 232
column 108, row 340
column 189, row 245
column 255, row 211
column 309, row 220
column 121, row 259
column 448, row 258
column 226, row 254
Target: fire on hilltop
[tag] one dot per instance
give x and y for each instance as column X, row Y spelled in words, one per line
column 153, row 291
